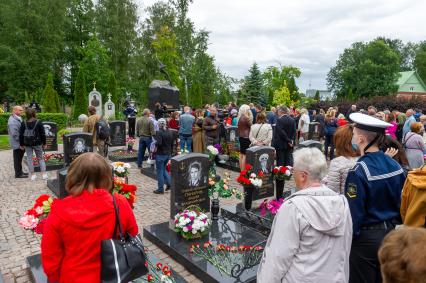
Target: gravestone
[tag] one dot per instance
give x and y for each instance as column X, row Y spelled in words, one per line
column 76, row 144
column 262, row 158
column 232, row 149
column 51, row 132
column 95, row 99
column 117, row 133
column 189, row 181
column 109, row 108
column 310, row 143
column 313, row 133
column 163, row 92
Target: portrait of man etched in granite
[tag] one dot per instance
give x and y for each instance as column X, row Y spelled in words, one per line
column 194, row 174
column 263, row 159
column 232, row 136
column 95, row 101
column 79, row 146
column 47, row 131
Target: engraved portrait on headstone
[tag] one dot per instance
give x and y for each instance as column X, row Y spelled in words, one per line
column 194, row 174
column 79, row 146
column 95, row 101
column 263, row 159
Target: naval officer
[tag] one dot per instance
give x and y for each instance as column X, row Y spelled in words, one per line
column 373, row 190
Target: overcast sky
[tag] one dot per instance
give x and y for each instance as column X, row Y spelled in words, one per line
column 308, row 34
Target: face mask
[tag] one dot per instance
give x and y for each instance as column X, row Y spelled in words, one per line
column 354, row 144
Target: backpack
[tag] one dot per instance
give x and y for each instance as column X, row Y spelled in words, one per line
column 31, row 137
column 102, row 130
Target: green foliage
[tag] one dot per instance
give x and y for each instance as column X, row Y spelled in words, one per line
column 80, row 96
column 59, row 118
column 275, row 77
column 282, row 96
column 50, row 97
column 112, row 89
column 420, row 61
column 252, row 85
column 317, row 96
column 369, row 69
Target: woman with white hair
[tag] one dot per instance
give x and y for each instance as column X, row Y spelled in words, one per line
column 311, row 235
column 245, row 119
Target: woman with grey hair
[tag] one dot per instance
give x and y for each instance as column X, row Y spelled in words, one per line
column 311, row 235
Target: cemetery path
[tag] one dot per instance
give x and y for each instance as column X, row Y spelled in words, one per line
column 17, row 195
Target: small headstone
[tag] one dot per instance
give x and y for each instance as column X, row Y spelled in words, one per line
column 313, row 131
column 262, row 158
column 76, row 144
column 95, row 99
column 117, row 133
column 109, row 108
column 51, row 132
column 189, row 175
column 310, row 143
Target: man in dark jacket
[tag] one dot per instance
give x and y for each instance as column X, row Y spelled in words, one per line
column 164, row 142
column 284, row 137
column 211, row 127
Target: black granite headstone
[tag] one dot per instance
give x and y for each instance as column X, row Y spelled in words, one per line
column 57, row 186
column 310, row 143
column 117, row 133
column 189, row 176
column 313, row 133
column 76, row 144
column 262, row 158
column 51, row 132
column 163, row 92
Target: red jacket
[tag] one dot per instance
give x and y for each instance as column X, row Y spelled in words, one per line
column 174, row 124
column 71, row 242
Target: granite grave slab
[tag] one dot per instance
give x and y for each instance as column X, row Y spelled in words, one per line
column 117, row 133
column 51, row 133
column 262, row 158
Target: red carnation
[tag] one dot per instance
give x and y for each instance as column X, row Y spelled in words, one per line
column 31, row 212
column 261, row 174
column 248, row 167
column 283, row 169
column 39, row 201
column 243, row 173
column 128, row 188
column 275, row 170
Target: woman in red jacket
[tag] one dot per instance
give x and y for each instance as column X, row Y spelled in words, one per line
column 71, row 243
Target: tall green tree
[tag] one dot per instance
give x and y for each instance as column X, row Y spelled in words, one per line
column 50, row 97
column 369, row 69
column 317, row 96
column 275, row 77
column 282, row 96
column 253, row 85
column 420, row 61
column 80, row 95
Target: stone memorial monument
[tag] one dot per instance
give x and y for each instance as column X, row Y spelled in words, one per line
column 95, row 99
column 109, row 108
column 164, row 93
column 51, row 132
column 117, row 133
column 262, row 158
column 76, row 144
column 232, row 149
column 189, row 176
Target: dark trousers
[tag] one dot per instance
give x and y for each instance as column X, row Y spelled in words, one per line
column 132, row 126
column 284, row 157
column 18, row 154
column 144, row 144
column 329, row 143
column 363, row 261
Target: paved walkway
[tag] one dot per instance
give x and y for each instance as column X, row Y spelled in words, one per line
column 17, row 195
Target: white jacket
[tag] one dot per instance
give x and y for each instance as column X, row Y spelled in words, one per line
column 261, row 133
column 310, row 240
column 338, row 172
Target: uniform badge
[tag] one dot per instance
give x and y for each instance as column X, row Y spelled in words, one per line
column 351, row 193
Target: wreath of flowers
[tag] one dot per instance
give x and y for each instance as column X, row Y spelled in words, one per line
column 120, row 169
column 35, row 217
column 272, row 206
column 192, row 224
column 282, row 172
column 248, row 177
column 126, row 190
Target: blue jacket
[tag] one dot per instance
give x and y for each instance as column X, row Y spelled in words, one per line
column 186, row 122
column 373, row 189
column 330, row 127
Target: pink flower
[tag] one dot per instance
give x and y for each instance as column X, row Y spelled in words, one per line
column 28, row 221
column 189, row 227
column 39, row 210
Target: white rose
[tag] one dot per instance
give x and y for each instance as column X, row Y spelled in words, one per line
column 287, row 173
column 185, row 229
column 194, row 232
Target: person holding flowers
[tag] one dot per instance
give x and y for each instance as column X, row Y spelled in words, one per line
column 76, row 225
column 311, row 235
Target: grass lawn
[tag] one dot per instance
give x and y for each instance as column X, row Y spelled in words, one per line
column 4, row 142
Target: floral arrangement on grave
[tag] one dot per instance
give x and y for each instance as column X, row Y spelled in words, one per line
column 226, row 257
column 192, row 223
column 271, row 206
column 130, row 142
column 212, row 152
column 158, row 273
column 121, row 169
column 35, row 217
column 126, row 190
column 282, row 172
column 51, row 158
column 248, row 177
column 221, row 189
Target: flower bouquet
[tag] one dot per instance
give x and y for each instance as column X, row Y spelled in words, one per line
column 120, row 169
column 35, row 217
column 126, row 190
column 225, row 257
column 192, row 224
column 282, row 172
column 272, row 206
column 212, row 151
column 130, row 142
column 221, row 189
column 248, row 177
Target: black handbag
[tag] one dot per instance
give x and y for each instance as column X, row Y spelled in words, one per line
column 123, row 259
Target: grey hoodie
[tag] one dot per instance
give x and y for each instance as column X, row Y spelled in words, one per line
column 310, row 240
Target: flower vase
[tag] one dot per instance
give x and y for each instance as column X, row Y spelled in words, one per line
column 129, row 148
column 248, row 196
column 215, row 209
column 279, row 188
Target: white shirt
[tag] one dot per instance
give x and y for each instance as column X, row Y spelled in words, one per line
column 306, row 121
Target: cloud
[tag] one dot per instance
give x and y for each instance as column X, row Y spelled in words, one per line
column 304, row 33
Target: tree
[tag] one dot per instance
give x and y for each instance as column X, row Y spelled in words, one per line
column 420, row 60
column 275, row 77
column 294, row 90
column 50, row 97
column 282, row 96
column 112, row 89
column 317, row 96
column 369, row 69
column 253, row 85
column 80, row 95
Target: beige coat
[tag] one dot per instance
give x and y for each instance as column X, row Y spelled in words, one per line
column 89, row 126
column 261, row 133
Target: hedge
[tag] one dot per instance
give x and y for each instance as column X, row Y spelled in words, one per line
column 59, row 118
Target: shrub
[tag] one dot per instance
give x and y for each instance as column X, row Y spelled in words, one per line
column 59, row 118
column 50, row 97
column 80, row 96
